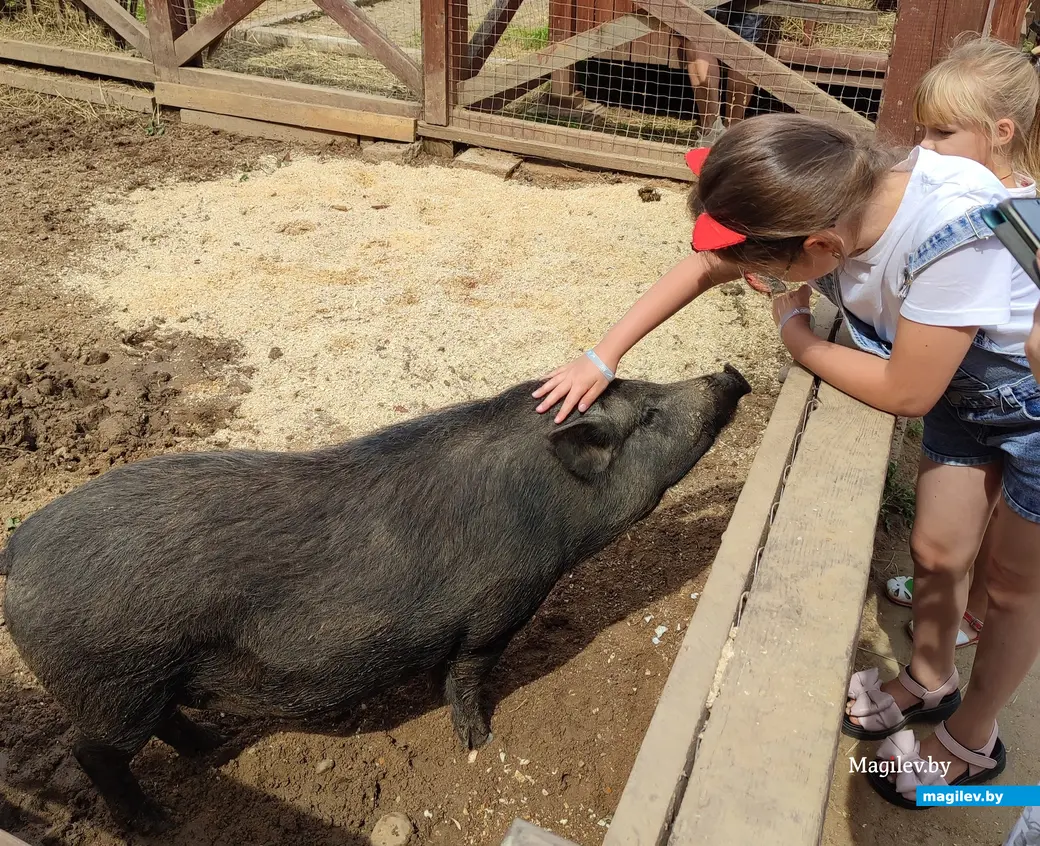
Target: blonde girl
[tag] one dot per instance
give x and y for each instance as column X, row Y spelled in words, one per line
column 933, row 303
column 981, row 102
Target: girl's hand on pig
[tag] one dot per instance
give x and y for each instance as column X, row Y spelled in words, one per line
column 578, row 383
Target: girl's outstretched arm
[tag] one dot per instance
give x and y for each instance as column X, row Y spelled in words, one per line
column 580, row 382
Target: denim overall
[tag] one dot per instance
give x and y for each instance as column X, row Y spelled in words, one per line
column 990, row 411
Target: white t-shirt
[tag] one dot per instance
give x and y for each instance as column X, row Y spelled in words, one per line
column 1025, row 187
column 979, row 284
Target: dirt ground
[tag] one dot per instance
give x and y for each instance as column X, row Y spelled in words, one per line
column 179, row 289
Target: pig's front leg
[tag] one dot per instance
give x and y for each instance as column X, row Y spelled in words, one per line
column 463, row 689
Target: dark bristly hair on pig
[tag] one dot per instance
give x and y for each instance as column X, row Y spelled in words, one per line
column 296, row 585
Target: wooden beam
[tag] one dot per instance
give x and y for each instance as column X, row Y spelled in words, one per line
column 762, row 69
column 488, row 34
column 358, row 24
column 657, row 781
column 10, row 840
column 436, row 70
column 82, row 61
column 924, row 30
column 527, row 138
column 848, row 79
column 504, row 83
column 766, row 756
column 279, row 89
column 264, row 129
column 160, row 18
column 210, row 28
column 123, row 23
column 346, row 121
column 105, row 94
column 821, row 13
column 828, row 58
column 1007, row 19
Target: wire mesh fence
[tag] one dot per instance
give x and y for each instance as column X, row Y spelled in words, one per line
column 64, row 23
column 665, row 71
column 297, row 41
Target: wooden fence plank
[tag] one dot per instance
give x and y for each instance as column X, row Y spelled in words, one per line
column 358, row 24
column 922, row 36
column 279, row 89
column 819, row 12
column 106, row 94
column 212, row 27
column 488, row 34
column 436, row 70
column 542, row 141
column 346, row 121
column 786, row 85
column 504, row 83
column 828, row 58
column 264, row 129
column 1007, row 19
column 766, row 756
column 161, row 22
column 123, row 23
column 657, row 780
column 83, row 61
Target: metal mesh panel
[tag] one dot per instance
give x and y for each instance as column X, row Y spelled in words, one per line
column 297, row 41
column 663, row 71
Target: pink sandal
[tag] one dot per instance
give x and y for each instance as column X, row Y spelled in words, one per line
column 877, row 712
column 902, row 752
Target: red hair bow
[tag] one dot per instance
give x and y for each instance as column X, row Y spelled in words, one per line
column 708, row 233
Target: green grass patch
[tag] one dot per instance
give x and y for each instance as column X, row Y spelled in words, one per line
column 899, row 500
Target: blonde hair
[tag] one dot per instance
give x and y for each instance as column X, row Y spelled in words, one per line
column 777, row 178
column 981, row 81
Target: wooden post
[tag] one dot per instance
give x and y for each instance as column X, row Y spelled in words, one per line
column 924, row 31
column 436, row 22
column 1006, row 20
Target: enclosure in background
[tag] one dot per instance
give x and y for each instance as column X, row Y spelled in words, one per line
column 623, row 84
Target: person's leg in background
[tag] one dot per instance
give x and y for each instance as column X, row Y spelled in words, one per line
column 706, row 79
column 764, row 32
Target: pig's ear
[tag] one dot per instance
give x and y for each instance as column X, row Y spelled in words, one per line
column 585, row 445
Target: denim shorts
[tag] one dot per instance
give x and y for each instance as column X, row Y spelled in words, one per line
column 991, row 412
column 747, row 25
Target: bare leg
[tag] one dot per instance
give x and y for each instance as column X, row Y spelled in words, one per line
column 740, row 90
column 705, row 78
column 953, row 508
column 1008, row 645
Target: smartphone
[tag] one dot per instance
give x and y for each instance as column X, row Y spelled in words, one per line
column 1016, row 223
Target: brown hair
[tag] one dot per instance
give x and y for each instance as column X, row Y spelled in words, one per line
column 981, row 81
column 778, row 178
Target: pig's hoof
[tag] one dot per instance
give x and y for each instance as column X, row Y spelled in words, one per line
column 476, row 735
column 150, row 819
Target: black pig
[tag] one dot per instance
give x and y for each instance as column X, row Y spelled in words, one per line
column 295, row 585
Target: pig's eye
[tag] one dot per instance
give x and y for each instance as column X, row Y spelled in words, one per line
column 648, row 417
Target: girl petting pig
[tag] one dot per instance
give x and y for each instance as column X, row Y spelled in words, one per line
column 980, row 103
column 940, row 313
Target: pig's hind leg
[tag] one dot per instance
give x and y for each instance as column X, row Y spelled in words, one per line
column 189, row 738
column 114, row 724
column 108, row 767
